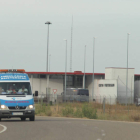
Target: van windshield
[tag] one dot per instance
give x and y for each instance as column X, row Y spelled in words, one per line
column 15, row 88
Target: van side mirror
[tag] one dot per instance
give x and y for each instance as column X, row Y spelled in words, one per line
column 36, row 93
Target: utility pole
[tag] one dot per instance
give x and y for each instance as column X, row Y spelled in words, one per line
column 93, row 69
column 71, row 46
column 84, row 65
column 127, row 67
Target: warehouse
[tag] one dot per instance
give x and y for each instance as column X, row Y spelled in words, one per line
column 111, row 84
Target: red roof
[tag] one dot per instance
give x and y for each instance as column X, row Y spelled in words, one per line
column 63, row 73
column 69, row 73
column 137, row 74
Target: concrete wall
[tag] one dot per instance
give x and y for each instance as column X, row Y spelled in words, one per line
column 89, row 82
column 110, row 93
column 120, row 75
column 137, row 89
column 40, row 85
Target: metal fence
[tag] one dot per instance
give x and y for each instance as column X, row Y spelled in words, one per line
column 108, row 107
column 53, row 99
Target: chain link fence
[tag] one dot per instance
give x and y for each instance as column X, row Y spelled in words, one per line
column 55, row 98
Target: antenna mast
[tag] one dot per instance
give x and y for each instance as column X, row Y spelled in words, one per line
column 71, row 46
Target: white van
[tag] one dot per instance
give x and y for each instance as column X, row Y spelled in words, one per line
column 16, row 98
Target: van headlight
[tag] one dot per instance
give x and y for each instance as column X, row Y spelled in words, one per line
column 3, row 107
column 30, row 107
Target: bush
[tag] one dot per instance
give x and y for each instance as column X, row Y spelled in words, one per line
column 89, row 112
column 67, row 111
column 136, row 118
column 78, row 113
column 48, row 111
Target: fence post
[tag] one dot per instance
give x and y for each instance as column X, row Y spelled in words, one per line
column 115, row 103
column 101, row 101
column 41, row 99
column 110, row 99
column 104, row 105
column 96, row 99
column 128, row 106
column 58, row 107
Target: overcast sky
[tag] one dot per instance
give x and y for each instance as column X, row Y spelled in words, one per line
column 23, row 34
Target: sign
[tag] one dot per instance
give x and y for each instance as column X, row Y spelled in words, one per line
column 54, row 91
column 14, row 76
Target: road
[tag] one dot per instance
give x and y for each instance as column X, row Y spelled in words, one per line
column 47, row 128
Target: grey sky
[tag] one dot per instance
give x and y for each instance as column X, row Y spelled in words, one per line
column 23, row 33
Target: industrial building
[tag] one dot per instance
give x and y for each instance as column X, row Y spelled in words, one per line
column 111, row 84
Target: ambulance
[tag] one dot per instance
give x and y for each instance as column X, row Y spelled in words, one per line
column 16, row 98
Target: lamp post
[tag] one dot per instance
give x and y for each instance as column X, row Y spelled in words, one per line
column 48, row 22
column 49, row 62
column 93, row 69
column 127, row 67
column 65, row 68
column 47, row 91
column 84, row 66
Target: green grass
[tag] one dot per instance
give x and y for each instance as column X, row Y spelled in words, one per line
column 43, row 110
column 90, row 110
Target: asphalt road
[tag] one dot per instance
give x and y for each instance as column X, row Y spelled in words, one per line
column 46, row 128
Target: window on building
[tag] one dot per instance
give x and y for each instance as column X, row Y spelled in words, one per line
column 69, row 81
column 55, row 77
column 42, row 75
column 79, row 81
column 35, row 75
column 73, row 81
column 137, row 78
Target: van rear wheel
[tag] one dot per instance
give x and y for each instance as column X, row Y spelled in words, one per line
column 32, row 118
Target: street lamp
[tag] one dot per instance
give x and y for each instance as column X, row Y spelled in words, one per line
column 49, row 62
column 93, row 69
column 84, row 65
column 65, row 68
column 48, row 22
column 47, row 91
column 127, row 66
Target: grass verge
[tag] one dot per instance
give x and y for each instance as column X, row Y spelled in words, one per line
column 90, row 110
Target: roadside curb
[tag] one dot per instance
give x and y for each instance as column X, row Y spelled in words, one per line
column 89, row 119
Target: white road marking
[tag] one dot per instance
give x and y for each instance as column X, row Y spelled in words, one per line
column 103, row 134
column 4, row 128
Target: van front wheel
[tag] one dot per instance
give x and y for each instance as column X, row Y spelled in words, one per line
column 32, row 118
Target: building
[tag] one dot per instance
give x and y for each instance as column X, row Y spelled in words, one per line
column 109, row 85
